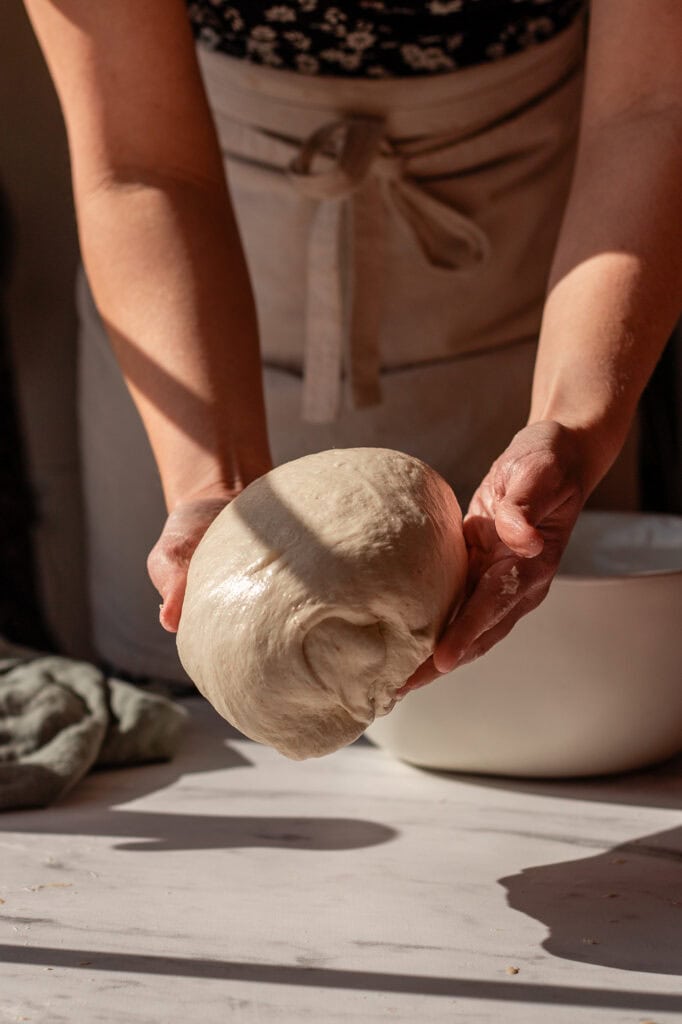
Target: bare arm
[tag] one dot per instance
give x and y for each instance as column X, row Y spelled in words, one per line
column 162, row 253
column 615, row 293
column 158, row 235
column 616, row 284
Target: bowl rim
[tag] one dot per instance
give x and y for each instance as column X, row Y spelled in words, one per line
column 632, row 574
column 635, row 574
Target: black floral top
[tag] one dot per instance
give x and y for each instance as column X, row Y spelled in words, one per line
column 377, row 38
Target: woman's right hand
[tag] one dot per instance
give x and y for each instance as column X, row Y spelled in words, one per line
column 169, row 559
column 163, row 254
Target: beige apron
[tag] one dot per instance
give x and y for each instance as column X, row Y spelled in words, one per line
column 398, row 234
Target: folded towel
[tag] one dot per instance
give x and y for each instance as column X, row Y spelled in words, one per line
column 59, row 718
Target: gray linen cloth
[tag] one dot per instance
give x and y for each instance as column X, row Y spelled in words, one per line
column 60, row 717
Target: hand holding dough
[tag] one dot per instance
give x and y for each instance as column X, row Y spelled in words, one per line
column 318, row 591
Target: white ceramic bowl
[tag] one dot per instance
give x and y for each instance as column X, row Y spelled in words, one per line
column 588, row 683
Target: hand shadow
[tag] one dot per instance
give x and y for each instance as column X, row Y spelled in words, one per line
column 621, row 908
column 93, row 808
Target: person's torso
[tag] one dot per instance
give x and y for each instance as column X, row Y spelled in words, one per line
column 377, row 38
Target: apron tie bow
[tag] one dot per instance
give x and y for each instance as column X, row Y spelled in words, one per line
column 359, row 176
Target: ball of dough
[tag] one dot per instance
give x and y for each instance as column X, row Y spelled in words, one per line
column 316, row 593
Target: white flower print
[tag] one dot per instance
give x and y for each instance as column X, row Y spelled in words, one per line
column 280, row 12
column 426, row 58
column 363, row 38
column 334, row 16
column 262, row 43
column 209, row 37
column 298, row 40
column 265, row 53
column 263, row 33
column 307, row 64
column 536, row 30
column 360, row 40
column 539, row 26
column 235, row 19
column 444, row 6
column 349, row 61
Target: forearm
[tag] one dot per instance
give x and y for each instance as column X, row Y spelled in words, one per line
column 615, row 289
column 168, row 275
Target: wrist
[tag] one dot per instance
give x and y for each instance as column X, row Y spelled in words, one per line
column 212, row 482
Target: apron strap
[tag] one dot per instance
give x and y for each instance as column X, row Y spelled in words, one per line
column 367, row 175
column 353, row 143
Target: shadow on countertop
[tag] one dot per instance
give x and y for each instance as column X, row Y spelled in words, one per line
column 93, row 808
column 620, row 907
column 514, row 993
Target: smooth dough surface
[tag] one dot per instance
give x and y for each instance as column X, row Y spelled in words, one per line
column 316, row 593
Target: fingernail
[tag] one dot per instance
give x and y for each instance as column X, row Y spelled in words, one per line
column 444, row 666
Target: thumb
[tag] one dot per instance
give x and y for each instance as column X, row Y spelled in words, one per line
column 170, row 579
column 515, row 527
column 169, row 613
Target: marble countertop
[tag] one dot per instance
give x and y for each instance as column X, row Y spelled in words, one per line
column 234, row 885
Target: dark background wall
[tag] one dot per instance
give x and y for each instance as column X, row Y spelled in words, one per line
column 661, row 441
column 21, row 615
column 40, row 321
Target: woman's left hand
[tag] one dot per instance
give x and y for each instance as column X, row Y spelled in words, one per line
column 516, row 529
